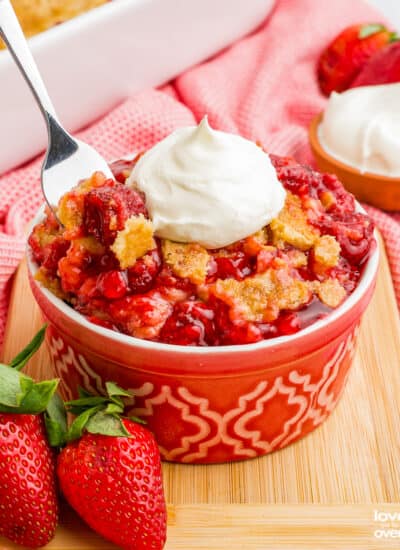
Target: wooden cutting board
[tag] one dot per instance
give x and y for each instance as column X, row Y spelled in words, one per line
column 322, row 492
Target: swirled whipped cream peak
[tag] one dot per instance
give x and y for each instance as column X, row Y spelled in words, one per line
column 206, row 186
column 360, row 128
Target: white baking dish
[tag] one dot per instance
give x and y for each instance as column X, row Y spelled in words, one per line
column 94, row 61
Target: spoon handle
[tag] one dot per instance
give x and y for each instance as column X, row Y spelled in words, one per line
column 11, row 32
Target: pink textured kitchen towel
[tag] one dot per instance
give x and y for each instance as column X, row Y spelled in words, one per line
column 263, row 87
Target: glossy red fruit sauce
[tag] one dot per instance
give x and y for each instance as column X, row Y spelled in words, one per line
column 149, row 300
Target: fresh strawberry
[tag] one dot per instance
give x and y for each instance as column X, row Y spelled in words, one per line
column 28, row 499
column 110, row 473
column 382, row 68
column 347, row 54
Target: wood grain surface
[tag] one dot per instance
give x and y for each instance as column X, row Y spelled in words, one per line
column 321, row 492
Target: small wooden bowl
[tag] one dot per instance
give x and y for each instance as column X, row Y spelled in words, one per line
column 380, row 191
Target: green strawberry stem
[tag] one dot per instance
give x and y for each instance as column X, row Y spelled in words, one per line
column 99, row 414
column 55, row 419
column 19, row 393
column 23, row 356
column 96, row 414
column 373, row 28
column 370, row 29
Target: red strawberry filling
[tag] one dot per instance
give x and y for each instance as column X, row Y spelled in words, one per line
column 273, row 283
column 107, row 208
column 191, row 323
column 142, row 274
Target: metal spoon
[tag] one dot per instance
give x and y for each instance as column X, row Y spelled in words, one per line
column 67, row 160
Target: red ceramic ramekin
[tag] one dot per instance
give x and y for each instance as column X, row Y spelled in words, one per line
column 213, row 404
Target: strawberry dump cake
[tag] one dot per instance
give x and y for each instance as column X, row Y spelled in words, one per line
column 178, row 251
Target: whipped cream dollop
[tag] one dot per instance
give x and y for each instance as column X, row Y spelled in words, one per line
column 207, row 186
column 361, row 128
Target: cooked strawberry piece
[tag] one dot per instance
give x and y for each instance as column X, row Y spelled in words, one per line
column 94, row 307
column 88, row 289
column 347, row 274
column 296, row 178
column 348, row 53
column 381, row 68
column 101, row 322
column 73, row 267
column 232, row 331
column 141, row 315
column 288, row 323
column 343, row 200
column 237, row 265
column 48, row 254
column 105, row 262
column 166, row 279
column 240, row 332
column 268, row 330
column 353, row 231
column 191, row 323
column 47, row 242
column 112, row 284
column 264, row 259
column 34, row 243
column 72, row 277
column 53, row 254
column 142, row 274
column 281, row 162
column 313, row 312
column 106, row 210
column 122, row 168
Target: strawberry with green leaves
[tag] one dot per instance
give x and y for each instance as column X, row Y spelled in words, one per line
column 28, row 498
column 347, row 54
column 109, row 468
column 110, row 471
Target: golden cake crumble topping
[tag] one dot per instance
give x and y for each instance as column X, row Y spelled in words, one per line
column 327, row 250
column 261, row 298
column 292, row 226
column 133, row 241
column 330, row 292
column 187, row 260
column 71, row 206
column 109, row 265
column 36, row 16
